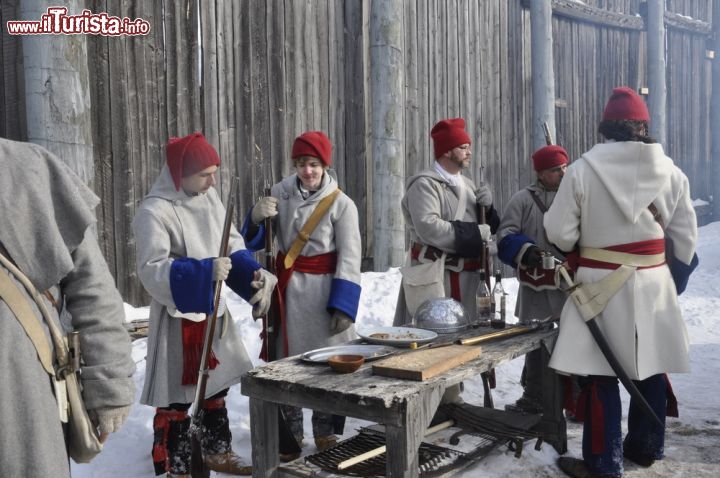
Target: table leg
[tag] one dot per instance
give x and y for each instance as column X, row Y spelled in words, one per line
column 264, row 438
column 402, row 456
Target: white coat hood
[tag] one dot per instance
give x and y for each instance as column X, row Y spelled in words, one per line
column 631, row 166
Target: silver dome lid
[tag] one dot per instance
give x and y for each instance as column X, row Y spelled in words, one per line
column 443, row 316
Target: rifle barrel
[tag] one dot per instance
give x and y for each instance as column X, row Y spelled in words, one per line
column 212, row 320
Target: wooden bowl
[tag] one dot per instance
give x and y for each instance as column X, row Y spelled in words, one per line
column 346, row 363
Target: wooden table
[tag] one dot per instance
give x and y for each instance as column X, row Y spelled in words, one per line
column 405, row 407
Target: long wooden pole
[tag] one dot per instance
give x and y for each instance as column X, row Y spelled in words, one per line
column 382, row 449
column 657, row 100
column 543, row 77
column 388, row 131
column 715, row 114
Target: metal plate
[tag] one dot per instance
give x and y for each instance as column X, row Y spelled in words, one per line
column 370, row 352
column 397, row 336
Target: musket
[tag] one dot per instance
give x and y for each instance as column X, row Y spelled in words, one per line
column 288, row 444
column 270, row 319
column 198, row 468
column 546, row 132
column 610, row 355
column 488, row 378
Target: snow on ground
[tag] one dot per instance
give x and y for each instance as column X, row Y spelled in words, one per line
column 692, row 443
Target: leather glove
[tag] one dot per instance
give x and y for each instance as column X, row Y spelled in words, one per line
column 483, row 196
column 484, row 232
column 339, row 322
column 264, row 282
column 532, row 259
column 264, row 208
column 108, row 420
column 221, row 268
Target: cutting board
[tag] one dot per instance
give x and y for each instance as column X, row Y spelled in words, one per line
column 424, row 364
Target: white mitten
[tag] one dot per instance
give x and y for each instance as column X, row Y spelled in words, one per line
column 264, row 282
column 484, row 231
column 483, row 196
column 339, row 322
column 264, row 208
column 221, row 268
column 109, row 420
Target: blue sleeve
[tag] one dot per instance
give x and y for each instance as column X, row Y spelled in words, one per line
column 510, row 246
column 345, row 297
column 681, row 272
column 255, row 240
column 241, row 274
column 191, row 284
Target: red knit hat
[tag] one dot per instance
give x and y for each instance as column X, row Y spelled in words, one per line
column 549, row 157
column 448, row 134
column 315, row 144
column 188, row 155
column 625, row 104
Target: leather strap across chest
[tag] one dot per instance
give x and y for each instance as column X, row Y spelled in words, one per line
column 304, row 235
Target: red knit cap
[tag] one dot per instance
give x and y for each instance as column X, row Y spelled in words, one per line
column 625, row 104
column 448, row 134
column 189, row 155
column 314, row 144
column 549, row 157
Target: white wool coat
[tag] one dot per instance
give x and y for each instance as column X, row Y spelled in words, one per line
column 603, row 201
column 308, row 296
column 168, row 225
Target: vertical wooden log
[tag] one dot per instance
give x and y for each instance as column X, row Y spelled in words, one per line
column 543, row 79
column 656, row 69
column 57, row 98
column 388, row 129
column 715, row 113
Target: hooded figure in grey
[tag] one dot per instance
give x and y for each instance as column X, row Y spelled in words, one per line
column 47, row 231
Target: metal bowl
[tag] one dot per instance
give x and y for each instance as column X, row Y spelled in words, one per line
column 443, row 316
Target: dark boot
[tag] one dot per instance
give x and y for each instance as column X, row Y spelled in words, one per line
column 217, row 440
column 531, row 381
column 171, row 444
column 576, row 468
column 294, row 421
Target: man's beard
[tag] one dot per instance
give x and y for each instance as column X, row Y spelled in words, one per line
column 462, row 164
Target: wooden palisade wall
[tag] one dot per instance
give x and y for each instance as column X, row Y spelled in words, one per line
column 253, row 74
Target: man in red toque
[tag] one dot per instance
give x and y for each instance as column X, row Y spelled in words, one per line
column 435, row 225
column 521, row 243
column 178, row 230
column 319, row 277
column 615, row 204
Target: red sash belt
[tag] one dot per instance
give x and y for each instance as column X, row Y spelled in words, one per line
column 641, row 248
column 320, row 264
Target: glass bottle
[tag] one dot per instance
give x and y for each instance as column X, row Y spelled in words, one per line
column 483, row 301
column 498, row 303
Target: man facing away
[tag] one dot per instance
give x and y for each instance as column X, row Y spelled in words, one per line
column 615, row 205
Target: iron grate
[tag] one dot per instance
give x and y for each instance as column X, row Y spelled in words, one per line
column 432, row 459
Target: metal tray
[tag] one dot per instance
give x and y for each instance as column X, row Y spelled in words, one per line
column 370, row 352
column 396, row 336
